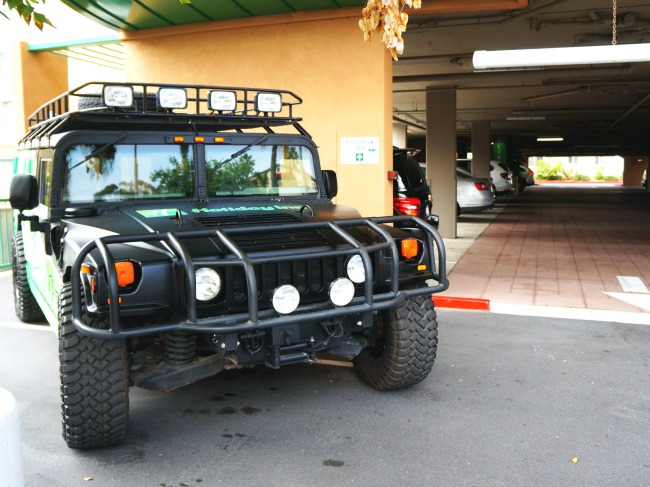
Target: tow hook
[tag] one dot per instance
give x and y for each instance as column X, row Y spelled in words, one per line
column 290, row 354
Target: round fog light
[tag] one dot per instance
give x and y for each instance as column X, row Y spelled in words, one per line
column 286, row 299
column 208, row 284
column 356, row 271
column 341, row 291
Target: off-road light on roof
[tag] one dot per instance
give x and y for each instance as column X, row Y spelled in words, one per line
column 118, row 96
column 172, row 98
column 225, row 101
column 268, row 102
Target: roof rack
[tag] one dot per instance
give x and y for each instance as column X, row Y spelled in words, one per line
column 86, row 107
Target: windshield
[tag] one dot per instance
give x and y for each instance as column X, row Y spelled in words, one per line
column 115, row 172
column 243, row 170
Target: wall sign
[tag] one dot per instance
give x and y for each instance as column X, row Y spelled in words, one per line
column 359, row 150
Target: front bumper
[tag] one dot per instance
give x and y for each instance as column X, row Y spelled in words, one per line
column 433, row 256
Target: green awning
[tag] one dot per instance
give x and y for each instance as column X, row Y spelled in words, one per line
column 105, row 51
column 147, row 14
column 131, row 15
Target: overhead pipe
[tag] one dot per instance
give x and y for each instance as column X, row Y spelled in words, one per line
column 626, row 114
column 406, row 122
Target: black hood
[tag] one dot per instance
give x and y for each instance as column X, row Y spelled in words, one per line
column 184, row 217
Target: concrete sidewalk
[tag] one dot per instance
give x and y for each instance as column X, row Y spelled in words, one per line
column 570, row 250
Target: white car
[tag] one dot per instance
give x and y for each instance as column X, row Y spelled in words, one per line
column 473, row 194
column 499, row 173
column 501, row 177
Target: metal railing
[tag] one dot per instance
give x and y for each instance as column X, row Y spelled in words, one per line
column 6, row 233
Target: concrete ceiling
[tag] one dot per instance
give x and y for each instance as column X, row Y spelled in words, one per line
column 600, row 109
column 597, row 109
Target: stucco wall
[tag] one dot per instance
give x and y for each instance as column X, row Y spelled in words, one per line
column 345, row 84
column 38, row 77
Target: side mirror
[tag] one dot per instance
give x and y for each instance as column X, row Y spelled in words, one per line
column 330, row 182
column 23, row 192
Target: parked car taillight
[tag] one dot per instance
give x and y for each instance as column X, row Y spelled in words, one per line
column 481, row 186
column 407, row 206
column 506, row 175
column 531, row 173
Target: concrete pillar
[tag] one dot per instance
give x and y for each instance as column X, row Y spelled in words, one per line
column 633, row 170
column 441, row 157
column 32, row 79
column 481, row 150
column 399, row 135
column 38, row 78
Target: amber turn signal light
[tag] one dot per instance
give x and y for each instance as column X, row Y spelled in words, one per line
column 125, row 273
column 410, row 248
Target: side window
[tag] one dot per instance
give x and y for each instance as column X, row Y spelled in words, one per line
column 45, row 181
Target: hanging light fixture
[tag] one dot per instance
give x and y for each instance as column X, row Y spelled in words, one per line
column 562, row 56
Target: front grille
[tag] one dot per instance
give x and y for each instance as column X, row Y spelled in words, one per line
column 265, row 240
column 312, row 278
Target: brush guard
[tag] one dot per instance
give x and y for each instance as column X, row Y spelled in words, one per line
column 254, row 319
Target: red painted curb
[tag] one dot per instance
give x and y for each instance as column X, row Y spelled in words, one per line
column 461, row 303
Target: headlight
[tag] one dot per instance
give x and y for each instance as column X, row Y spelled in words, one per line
column 355, row 270
column 286, row 299
column 341, row 291
column 208, row 284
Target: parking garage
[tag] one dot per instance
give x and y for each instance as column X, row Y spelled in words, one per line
column 433, row 98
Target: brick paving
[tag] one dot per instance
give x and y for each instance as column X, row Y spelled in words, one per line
column 561, row 246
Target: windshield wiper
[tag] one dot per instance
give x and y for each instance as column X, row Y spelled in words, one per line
column 96, row 152
column 243, row 151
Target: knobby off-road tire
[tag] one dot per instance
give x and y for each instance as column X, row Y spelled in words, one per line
column 27, row 309
column 94, row 384
column 404, row 348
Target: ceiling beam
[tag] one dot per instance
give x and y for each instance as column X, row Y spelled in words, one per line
column 456, row 6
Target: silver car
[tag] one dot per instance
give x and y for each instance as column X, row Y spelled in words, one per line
column 473, row 194
column 499, row 173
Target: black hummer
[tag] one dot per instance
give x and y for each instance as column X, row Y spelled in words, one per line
column 169, row 232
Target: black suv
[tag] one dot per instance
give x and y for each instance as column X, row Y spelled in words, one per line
column 169, row 232
column 411, row 193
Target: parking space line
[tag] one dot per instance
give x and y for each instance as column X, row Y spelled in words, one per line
column 632, row 284
column 571, row 313
column 25, row 326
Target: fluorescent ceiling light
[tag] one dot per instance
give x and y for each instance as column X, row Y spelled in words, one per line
column 550, row 139
column 526, row 117
column 561, row 56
